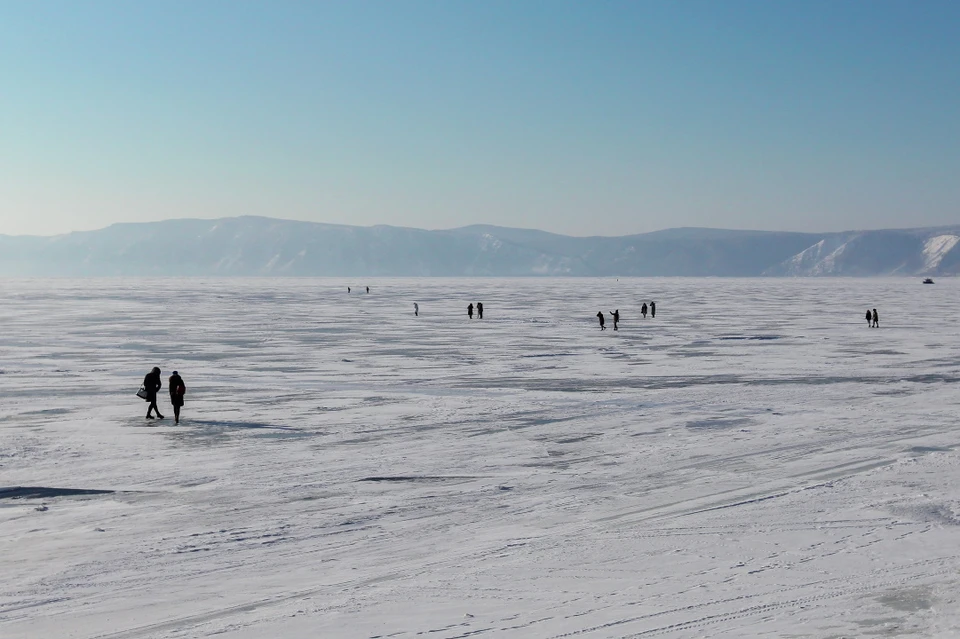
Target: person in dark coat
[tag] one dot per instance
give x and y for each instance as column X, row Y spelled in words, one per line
column 869, row 318
column 416, row 309
column 653, row 309
column 616, row 318
column 876, row 319
column 600, row 317
column 152, row 384
column 479, row 310
column 177, row 391
column 368, row 289
column 470, row 310
column 643, row 310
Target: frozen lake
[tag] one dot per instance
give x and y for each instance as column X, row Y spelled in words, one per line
column 754, row 462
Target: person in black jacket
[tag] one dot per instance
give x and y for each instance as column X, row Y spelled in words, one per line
column 479, row 310
column 876, row 319
column 653, row 309
column 600, row 317
column 470, row 310
column 177, row 390
column 152, row 384
column 616, row 318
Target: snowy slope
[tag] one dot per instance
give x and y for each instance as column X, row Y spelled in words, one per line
column 754, row 462
column 819, row 259
column 936, row 249
column 910, row 252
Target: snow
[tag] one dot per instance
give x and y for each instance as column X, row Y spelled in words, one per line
column 936, row 248
column 820, row 259
column 489, row 243
column 754, row 462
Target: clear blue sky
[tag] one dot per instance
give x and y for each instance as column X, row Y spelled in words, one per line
column 587, row 118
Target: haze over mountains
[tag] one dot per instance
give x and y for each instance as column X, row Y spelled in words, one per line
column 258, row 246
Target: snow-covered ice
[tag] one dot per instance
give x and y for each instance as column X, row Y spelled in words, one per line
column 754, row 462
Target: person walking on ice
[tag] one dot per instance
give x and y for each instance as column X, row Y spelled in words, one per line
column 600, row 317
column 869, row 319
column 152, row 384
column 643, row 310
column 616, row 318
column 876, row 319
column 470, row 310
column 479, row 310
column 653, row 309
column 416, row 310
column 177, row 390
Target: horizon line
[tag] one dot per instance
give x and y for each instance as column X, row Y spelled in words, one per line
column 479, row 224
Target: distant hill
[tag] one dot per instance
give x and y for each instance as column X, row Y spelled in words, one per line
column 271, row 247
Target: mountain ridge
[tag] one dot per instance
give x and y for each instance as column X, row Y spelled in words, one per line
column 263, row 246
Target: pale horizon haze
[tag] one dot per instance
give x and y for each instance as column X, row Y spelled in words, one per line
column 579, row 118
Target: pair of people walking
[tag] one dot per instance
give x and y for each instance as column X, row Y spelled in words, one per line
column 873, row 320
column 653, row 310
column 616, row 319
column 152, row 386
column 479, row 310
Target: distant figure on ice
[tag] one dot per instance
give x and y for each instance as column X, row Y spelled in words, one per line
column 368, row 289
column 416, row 309
column 177, row 391
column 653, row 309
column 616, row 318
column 348, row 289
column 869, row 318
column 643, row 310
column 470, row 310
column 600, row 317
column 152, row 384
column 479, row 310
column 876, row 319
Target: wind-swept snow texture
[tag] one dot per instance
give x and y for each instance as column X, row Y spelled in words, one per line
column 755, row 462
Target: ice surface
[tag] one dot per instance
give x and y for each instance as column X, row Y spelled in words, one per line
column 754, row 462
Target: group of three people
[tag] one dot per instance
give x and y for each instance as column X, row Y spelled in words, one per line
column 152, row 385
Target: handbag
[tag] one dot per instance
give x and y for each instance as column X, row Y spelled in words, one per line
column 142, row 393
